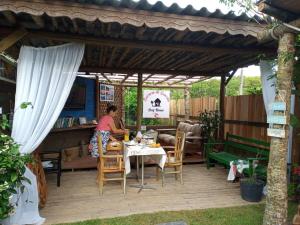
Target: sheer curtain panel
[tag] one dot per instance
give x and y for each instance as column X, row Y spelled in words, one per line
column 44, row 78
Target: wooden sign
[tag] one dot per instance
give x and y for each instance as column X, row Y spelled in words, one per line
column 277, row 106
column 280, row 133
column 156, row 104
column 276, row 119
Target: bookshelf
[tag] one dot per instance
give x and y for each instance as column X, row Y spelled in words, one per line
column 79, row 127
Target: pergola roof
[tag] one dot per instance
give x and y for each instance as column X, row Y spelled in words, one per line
column 127, row 37
column 285, row 10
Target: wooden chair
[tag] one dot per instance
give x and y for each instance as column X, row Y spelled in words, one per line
column 110, row 163
column 174, row 159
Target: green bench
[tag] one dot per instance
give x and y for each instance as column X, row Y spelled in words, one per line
column 236, row 147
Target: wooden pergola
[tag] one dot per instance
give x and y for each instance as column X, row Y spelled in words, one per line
column 137, row 44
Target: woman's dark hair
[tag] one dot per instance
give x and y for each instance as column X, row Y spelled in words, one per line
column 111, row 108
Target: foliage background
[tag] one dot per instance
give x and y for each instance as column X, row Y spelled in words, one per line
column 252, row 85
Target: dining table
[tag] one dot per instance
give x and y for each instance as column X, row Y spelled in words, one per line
column 140, row 150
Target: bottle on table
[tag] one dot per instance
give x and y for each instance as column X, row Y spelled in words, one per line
column 126, row 135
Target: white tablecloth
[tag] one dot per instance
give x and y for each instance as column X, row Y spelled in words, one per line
column 157, row 154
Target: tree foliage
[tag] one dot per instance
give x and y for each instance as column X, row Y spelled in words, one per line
column 12, row 168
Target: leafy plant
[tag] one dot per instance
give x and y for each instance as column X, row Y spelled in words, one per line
column 12, row 168
column 210, row 122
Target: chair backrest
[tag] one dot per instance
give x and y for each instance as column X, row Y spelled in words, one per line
column 100, row 148
column 179, row 145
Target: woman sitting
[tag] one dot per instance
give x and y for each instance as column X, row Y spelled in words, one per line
column 105, row 128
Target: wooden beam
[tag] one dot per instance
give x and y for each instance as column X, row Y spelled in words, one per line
column 167, row 78
column 146, row 44
column 178, row 81
column 134, row 17
column 278, row 31
column 155, row 57
column 135, row 58
column 222, row 107
column 126, row 77
column 153, row 86
column 122, row 57
column 111, row 57
column 8, row 59
column 187, row 102
column 38, row 21
column 75, row 26
column 10, row 17
column 277, row 13
column 152, row 71
column 149, row 76
column 103, row 75
column 139, row 113
column 97, row 96
column 12, row 39
column 230, row 76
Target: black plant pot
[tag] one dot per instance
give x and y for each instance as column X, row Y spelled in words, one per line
column 251, row 190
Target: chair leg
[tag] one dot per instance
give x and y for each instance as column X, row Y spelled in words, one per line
column 162, row 177
column 176, row 174
column 157, row 173
column 124, row 183
column 101, row 182
column 207, row 163
column 181, row 176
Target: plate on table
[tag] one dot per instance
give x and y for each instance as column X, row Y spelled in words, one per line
column 130, row 143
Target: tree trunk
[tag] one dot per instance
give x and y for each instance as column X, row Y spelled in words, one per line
column 276, row 201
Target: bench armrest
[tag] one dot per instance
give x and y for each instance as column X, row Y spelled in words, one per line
column 208, row 147
column 258, row 158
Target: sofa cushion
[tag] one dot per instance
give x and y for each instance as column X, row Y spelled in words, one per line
column 196, row 130
column 167, row 138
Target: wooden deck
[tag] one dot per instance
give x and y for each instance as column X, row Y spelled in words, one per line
column 78, row 197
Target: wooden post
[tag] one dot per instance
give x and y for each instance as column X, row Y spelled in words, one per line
column 222, row 107
column 139, row 102
column 97, row 97
column 276, row 200
column 123, row 104
column 187, row 103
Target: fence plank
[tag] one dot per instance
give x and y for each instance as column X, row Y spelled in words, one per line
column 237, row 108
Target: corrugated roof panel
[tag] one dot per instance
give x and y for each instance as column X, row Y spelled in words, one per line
column 161, row 7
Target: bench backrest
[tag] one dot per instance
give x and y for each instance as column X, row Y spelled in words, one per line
column 250, row 145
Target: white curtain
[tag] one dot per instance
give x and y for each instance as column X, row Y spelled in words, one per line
column 44, row 78
column 269, row 92
column 268, row 83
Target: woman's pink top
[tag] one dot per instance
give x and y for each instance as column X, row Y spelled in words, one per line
column 104, row 123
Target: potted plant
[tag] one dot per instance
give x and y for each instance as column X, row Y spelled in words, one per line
column 251, row 187
column 210, row 122
column 294, row 185
column 12, row 168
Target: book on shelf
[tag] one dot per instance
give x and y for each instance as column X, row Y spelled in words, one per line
column 64, row 122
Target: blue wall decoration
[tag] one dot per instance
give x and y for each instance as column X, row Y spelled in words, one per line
column 89, row 111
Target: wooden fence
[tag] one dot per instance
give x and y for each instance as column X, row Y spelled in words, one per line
column 244, row 115
column 197, row 105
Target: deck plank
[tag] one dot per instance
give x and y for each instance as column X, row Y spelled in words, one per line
column 78, row 197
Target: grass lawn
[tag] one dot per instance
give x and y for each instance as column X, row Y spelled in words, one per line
column 244, row 215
